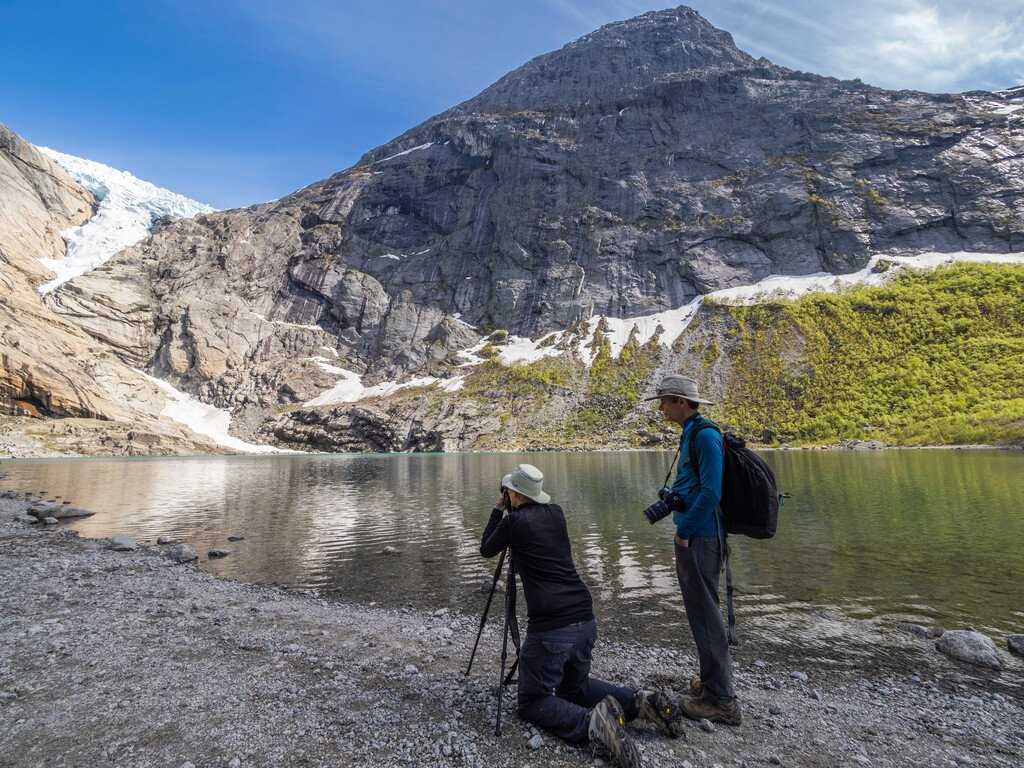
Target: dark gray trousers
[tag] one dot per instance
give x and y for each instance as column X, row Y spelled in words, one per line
column 698, row 567
column 556, row 691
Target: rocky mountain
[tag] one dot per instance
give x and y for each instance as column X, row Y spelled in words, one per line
column 623, row 176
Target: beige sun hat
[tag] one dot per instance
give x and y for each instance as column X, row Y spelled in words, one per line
column 678, row 386
column 526, row 480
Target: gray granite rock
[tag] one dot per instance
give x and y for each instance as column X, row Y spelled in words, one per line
column 1016, row 644
column 216, row 552
column 182, row 553
column 123, row 543
column 970, row 646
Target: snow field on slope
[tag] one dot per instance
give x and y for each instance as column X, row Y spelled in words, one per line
column 204, row 419
column 126, row 211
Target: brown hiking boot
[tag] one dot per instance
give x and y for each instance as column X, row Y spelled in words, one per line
column 607, row 727
column 701, row 707
column 657, row 709
column 696, row 686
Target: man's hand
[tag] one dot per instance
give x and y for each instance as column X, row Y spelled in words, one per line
column 657, row 511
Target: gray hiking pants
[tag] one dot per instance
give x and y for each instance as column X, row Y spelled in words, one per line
column 698, row 567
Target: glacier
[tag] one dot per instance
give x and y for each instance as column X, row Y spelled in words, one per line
column 127, row 208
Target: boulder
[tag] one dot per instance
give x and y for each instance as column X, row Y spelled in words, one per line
column 122, row 543
column 1016, row 644
column 971, row 647
column 182, row 553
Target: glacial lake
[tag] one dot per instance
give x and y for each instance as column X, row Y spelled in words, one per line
column 867, row 539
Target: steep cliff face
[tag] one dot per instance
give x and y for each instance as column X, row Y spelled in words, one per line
column 643, row 165
column 49, row 366
column 637, row 167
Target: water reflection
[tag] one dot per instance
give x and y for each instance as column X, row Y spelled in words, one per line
column 926, row 536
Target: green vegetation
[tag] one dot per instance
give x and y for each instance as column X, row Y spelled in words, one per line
column 930, row 358
column 614, row 387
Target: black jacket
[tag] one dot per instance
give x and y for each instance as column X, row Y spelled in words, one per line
column 542, row 555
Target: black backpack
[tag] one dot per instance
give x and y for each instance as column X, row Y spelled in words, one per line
column 750, row 496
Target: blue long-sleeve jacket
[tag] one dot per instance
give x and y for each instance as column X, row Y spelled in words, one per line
column 701, row 494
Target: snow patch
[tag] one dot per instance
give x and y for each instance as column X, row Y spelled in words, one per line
column 428, row 145
column 127, row 208
column 204, row 419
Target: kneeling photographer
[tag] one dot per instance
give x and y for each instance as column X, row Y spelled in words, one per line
column 556, row 691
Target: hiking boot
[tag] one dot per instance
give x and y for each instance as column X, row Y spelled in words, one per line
column 696, row 686
column 656, row 708
column 702, row 707
column 607, row 727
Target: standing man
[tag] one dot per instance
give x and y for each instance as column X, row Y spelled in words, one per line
column 699, row 542
column 556, row 691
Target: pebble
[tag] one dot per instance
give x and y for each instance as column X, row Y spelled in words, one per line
column 389, row 550
column 235, row 763
column 411, row 669
column 215, row 552
column 53, row 521
column 706, row 725
column 535, row 742
column 799, row 676
column 760, row 663
column 774, row 760
column 775, row 709
column 161, row 540
column 6, row 696
column 235, row 537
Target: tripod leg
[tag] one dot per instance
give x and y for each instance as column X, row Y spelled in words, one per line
column 487, row 608
column 509, row 606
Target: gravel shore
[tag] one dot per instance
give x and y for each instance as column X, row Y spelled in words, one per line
column 126, row 658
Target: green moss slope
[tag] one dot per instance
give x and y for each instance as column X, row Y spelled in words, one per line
column 930, row 358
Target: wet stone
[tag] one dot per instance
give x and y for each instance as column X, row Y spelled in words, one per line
column 1016, row 644
column 215, row 552
column 182, row 553
column 122, row 543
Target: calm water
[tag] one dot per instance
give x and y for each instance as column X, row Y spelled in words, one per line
column 926, row 536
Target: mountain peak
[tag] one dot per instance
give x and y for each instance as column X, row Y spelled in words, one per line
column 614, row 62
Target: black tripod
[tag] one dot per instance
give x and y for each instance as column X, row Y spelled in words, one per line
column 511, row 627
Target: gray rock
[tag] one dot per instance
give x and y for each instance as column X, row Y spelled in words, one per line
column 389, row 550
column 235, row 537
column 535, row 742
column 162, row 540
column 235, row 763
column 215, row 552
column 21, row 517
column 800, row 677
column 1016, row 644
column 182, row 553
column 51, row 521
column 7, row 696
column 918, row 630
column 774, row 760
column 707, row 726
column 411, row 669
column 970, row 646
column 123, row 543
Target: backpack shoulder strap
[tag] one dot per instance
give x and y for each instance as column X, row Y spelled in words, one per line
column 699, row 427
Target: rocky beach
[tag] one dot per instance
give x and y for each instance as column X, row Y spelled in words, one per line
column 116, row 653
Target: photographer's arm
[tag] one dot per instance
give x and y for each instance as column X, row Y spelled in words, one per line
column 496, row 534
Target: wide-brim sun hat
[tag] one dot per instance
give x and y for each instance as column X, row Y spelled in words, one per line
column 526, row 480
column 675, row 385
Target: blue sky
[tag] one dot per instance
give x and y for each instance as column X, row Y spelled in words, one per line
column 239, row 101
